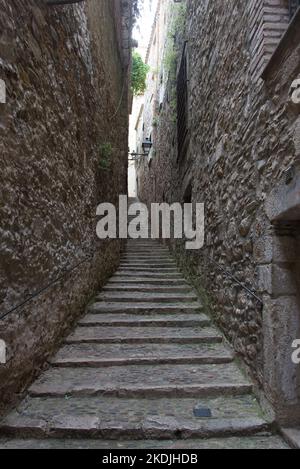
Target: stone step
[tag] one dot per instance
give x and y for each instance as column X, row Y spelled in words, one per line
column 146, row 249
column 148, row 381
column 184, row 288
column 148, row 265
column 149, row 268
column 139, row 419
column 144, row 308
column 135, row 320
column 147, row 244
column 261, row 442
column 151, row 253
column 148, row 274
column 292, row 436
column 144, row 335
column 95, row 355
column 147, row 257
column 146, row 297
column 131, row 280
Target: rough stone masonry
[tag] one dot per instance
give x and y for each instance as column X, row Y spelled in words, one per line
column 242, row 161
column 66, row 70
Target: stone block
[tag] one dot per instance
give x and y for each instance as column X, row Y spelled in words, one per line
column 263, row 250
column 269, row 249
column 281, row 326
column 283, row 282
column 264, row 274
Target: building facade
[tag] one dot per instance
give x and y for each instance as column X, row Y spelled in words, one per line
column 231, row 140
column 63, row 150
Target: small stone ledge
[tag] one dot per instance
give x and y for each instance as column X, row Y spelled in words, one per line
column 292, row 436
column 289, row 42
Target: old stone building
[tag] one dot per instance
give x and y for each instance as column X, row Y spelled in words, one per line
column 63, row 150
column 232, row 141
column 140, row 343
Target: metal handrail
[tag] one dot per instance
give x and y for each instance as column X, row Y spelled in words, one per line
column 49, row 285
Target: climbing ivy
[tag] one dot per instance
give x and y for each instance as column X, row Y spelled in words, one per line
column 139, row 74
column 105, row 153
column 176, row 28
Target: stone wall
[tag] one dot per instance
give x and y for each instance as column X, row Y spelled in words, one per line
column 67, row 81
column 243, row 137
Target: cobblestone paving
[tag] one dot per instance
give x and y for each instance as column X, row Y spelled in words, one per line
column 257, row 442
column 145, row 368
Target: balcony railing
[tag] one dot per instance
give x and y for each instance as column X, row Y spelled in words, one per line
column 293, row 7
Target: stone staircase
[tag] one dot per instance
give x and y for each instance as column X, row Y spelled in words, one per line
column 145, row 368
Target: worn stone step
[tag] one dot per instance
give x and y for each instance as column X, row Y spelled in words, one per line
column 136, row 320
column 145, row 244
column 148, row 274
column 146, row 257
column 149, row 268
column 131, row 280
column 144, row 308
column 261, row 442
column 148, row 260
column 95, row 355
column 138, row 419
column 144, row 335
column 148, row 265
column 137, row 287
column 147, row 254
column 146, row 297
column 150, row 381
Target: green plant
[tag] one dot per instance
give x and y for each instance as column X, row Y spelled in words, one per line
column 155, row 121
column 176, row 28
column 138, row 74
column 105, row 151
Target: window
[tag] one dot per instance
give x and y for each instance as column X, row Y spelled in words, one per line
column 293, row 7
column 182, row 104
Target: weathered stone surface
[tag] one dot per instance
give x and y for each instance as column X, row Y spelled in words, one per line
column 139, row 354
column 138, row 418
column 162, row 320
column 137, row 287
column 147, row 297
column 246, row 443
column 241, row 161
column 156, row 280
column 144, row 308
column 281, row 323
column 60, row 81
column 161, row 274
column 161, row 264
column 133, row 380
column 114, row 391
column 292, row 436
column 144, row 335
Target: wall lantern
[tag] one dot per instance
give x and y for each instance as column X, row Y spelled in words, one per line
column 147, row 145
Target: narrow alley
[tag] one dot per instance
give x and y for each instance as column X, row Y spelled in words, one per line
column 145, row 368
column 149, row 226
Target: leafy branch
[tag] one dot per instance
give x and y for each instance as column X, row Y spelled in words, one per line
column 139, row 74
